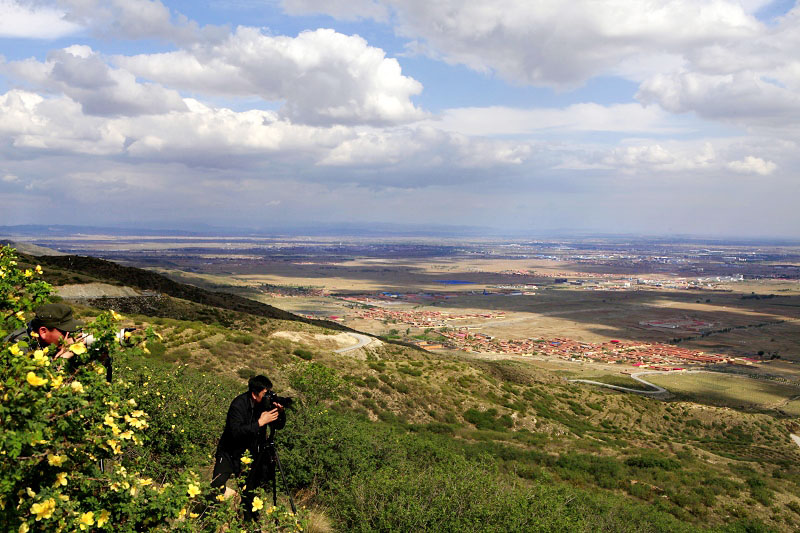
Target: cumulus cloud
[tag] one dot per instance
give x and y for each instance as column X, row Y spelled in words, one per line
column 754, row 82
column 205, row 136
column 559, row 44
column 321, row 76
column 34, row 21
column 425, row 146
column 30, row 121
column 135, row 19
column 85, row 78
column 753, row 165
column 584, row 117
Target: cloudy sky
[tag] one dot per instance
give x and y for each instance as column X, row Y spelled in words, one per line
column 526, row 116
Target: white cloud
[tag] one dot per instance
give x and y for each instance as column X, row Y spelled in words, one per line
column 135, row 19
column 29, row 121
column 753, row 165
column 322, row 77
column 754, row 82
column 29, row 20
column 584, row 117
column 10, row 178
column 82, row 75
column 204, row 136
column 556, row 43
column 422, row 147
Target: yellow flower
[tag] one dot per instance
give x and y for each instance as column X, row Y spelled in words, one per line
column 114, row 445
column 109, row 421
column 116, row 315
column 127, row 334
column 61, row 479
column 126, row 434
column 39, row 269
column 24, row 528
column 103, row 518
column 220, row 497
column 258, row 504
column 55, row 460
column 145, row 481
column 35, row 380
column 76, row 386
column 138, row 412
column 15, row 350
column 182, row 513
column 87, row 519
column 246, row 460
column 56, row 382
column 193, row 490
column 193, row 515
column 28, row 273
column 20, row 315
column 44, row 509
column 30, row 492
column 78, row 348
column 133, row 403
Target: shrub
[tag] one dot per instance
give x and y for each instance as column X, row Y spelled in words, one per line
column 71, row 440
column 302, row 353
column 488, row 419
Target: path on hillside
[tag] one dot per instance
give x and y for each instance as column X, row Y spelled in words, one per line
column 796, row 439
column 363, row 340
column 658, row 390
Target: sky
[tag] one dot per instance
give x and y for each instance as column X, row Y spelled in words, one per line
column 527, row 117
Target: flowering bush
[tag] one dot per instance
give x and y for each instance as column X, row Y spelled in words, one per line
column 69, row 438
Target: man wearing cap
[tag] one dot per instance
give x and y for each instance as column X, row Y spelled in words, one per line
column 52, row 324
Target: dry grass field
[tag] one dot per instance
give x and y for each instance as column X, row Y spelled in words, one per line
column 729, row 390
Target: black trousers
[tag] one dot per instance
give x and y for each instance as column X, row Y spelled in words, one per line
column 224, row 468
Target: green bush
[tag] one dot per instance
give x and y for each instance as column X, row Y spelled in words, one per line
column 302, row 353
column 62, row 421
column 488, row 419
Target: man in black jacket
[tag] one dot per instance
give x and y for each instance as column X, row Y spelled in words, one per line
column 246, row 429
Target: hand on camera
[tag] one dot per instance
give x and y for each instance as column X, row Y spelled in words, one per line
column 267, row 417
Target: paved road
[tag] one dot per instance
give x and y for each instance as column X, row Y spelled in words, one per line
column 658, row 390
column 363, row 340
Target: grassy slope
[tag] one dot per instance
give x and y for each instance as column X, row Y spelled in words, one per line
column 698, row 463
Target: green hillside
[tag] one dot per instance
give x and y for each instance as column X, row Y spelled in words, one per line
column 404, row 440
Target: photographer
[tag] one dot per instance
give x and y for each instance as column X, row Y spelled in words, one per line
column 246, row 429
column 52, row 325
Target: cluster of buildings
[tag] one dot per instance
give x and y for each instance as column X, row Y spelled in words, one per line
column 419, row 319
column 642, row 355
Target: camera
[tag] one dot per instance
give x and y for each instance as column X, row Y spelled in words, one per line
column 271, row 399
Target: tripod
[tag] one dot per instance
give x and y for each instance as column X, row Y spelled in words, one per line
column 270, row 454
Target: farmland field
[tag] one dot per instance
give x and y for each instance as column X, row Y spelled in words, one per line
column 729, row 390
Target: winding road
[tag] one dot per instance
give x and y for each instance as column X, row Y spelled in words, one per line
column 363, row 340
column 656, row 389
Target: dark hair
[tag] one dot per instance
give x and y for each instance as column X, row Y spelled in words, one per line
column 258, row 383
column 36, row 323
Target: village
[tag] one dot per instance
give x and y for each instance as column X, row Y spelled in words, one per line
column 664, row 357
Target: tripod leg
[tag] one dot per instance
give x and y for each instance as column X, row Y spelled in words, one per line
column 274, row 491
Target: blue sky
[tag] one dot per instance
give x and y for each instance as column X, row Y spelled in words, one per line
column 653, row 117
